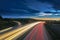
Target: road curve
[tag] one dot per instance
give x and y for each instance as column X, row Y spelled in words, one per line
column 11, row 28
column 12, row 35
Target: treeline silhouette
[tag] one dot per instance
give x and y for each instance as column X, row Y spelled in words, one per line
column 8, row 22
column 1, row 18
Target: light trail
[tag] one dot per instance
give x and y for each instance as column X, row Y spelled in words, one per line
column 18, row 32
column 38, row 33
column 6, row 29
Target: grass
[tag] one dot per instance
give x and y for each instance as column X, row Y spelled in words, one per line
column 6, row 24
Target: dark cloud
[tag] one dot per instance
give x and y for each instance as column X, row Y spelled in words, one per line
column 55, row 3
column 15, row 7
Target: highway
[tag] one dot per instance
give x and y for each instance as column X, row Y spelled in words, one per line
column 4, row 30
column 12, row 35
column 37, row 33
column 11, row 28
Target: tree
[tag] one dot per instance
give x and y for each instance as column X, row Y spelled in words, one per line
column 1, row 18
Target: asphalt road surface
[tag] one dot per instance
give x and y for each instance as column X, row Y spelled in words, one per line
column 38, row 33
column 14, row 34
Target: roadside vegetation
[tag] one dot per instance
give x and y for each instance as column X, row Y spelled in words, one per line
column 8, row 22
column 53, row 27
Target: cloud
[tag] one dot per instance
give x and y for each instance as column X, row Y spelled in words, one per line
column 58, row 10
column 44, row 14
column 53, row 10
column 47, row 14
column 55, row 3
column 41, row 6
column 57, row 14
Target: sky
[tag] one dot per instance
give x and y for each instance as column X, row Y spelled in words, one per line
column 29, row 8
